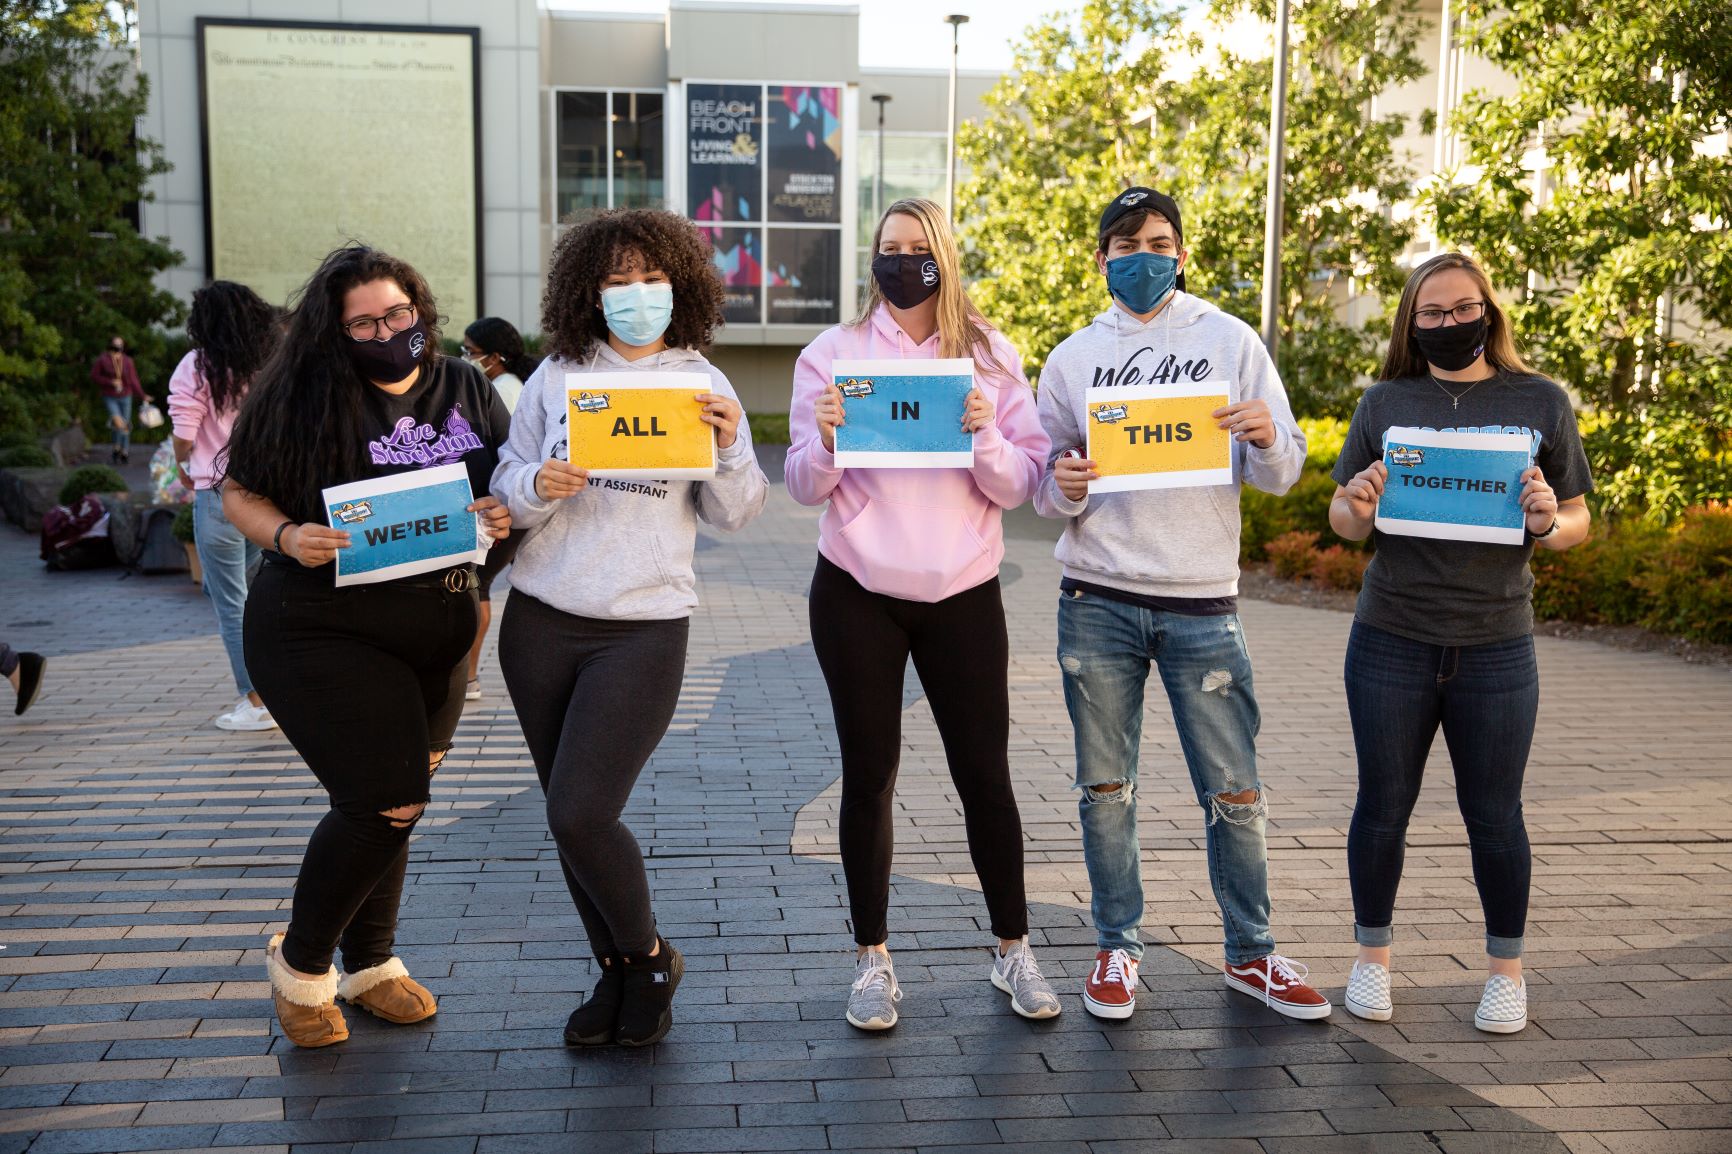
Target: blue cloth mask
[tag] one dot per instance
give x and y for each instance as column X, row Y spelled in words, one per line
column 1142, row 280
column 638, row 314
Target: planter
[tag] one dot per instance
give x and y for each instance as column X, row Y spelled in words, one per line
column 192, row 562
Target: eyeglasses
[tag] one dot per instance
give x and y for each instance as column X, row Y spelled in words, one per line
column 1464, row 314
column 367, row 328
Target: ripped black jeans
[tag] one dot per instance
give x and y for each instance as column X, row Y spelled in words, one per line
column 367, row 684
column 1105, row 648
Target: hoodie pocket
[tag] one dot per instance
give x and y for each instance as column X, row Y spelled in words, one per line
column 916, row 552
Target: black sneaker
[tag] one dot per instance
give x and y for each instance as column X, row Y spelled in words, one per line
column 646, row 1014
column 30, row 667
column 593, row 1023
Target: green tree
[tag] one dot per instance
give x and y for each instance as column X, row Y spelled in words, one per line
column 73, row 269
column 1629, row 242
column 1091, row 107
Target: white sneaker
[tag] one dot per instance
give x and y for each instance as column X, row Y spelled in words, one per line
column 246, row 717
column 473, row 691
column 872, row 1000
column 1368, row 992
column 1503, row 1008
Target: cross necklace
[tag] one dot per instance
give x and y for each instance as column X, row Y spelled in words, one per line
column 1455, row 398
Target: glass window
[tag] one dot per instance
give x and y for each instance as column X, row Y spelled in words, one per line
column 580, row 175
column 637, row 150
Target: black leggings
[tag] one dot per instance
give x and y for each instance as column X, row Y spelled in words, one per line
column 594, row 698
column 962, row 653
column 366, row 682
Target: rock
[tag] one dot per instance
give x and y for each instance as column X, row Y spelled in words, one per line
column 26, row 494
column 68, row 446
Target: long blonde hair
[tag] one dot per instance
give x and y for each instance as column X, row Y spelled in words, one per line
column 1404, row 360
column 962, row 329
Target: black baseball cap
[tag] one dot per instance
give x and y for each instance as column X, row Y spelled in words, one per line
column 1145, row 199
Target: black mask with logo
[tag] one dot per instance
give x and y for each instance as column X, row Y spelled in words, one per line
column 391, row 360
column 1453, row 347
column 905, row 278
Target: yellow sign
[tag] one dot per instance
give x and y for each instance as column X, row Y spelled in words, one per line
column 646, row 426
column 1157, row 437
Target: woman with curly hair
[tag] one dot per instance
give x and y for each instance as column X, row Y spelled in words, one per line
column 232, row 331
column 365, row 680
column 593, row 641
column 908, row 566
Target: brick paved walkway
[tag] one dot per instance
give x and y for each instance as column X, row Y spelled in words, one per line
column 146, row 855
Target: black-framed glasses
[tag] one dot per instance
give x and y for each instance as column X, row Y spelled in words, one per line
column 1464, row 314
column 367, row 328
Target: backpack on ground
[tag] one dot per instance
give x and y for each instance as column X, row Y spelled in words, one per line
column 76, row 536
column 158, row 551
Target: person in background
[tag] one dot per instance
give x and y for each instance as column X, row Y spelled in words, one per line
column 24, row 672
column 233, row 332
column 493, row 345
column 1443, row 634
column 117, row 378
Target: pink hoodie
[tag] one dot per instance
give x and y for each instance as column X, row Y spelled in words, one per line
column 195, row 419
column 917, row 534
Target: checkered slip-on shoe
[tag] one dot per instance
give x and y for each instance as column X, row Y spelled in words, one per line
column 1503, row 1008
column 1368, row 992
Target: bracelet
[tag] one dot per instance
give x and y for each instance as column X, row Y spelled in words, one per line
column 1550, row 529
column 277, row 541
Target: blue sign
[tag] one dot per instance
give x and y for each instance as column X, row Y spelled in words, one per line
column 904, row 414
column 404, row 524
column 1454, row 486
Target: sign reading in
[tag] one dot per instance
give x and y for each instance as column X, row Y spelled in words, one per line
column 1454, row 486
column 1158, row 437
column 642, row 426
column 903, row 414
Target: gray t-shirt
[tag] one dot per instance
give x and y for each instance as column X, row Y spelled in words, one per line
column 1460, row 592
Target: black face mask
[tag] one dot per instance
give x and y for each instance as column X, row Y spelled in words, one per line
column 1453, row 347
column 905, row 278
column 391, row 360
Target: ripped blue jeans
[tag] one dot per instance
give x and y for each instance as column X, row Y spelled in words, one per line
column 1105, row 649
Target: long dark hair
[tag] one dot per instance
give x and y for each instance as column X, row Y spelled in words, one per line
column 1403, row 358
column 234, row 331
column 500, row 337
column 302, row 426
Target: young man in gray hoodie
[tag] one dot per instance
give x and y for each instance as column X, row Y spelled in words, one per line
column 1152, row 576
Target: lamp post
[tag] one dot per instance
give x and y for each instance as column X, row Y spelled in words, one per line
column 956, row 21
column 880, row 99
column 1277, row 166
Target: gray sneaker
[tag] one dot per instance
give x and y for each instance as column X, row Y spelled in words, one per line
column 1018, row 974
column 1503, row 1008
column 872, row 1002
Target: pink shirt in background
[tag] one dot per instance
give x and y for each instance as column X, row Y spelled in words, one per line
column 917, row 534
column 197, row 420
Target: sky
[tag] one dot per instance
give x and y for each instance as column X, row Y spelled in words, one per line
column 910, row 33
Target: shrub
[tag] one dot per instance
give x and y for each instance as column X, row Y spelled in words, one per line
column 1595, row 582
column 91, row 479
column 1689, row 579
column 26, row 457
column 1339, row 568
column 768, row 428
column 1264, row 517
column 1292, row 553
column 183, row 525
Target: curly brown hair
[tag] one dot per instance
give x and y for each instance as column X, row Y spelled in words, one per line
column 571, row 317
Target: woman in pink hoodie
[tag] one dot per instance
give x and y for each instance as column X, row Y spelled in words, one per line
column 908, row 565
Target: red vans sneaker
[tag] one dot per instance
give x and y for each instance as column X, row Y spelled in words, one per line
column 1110, row 990
column 1279, row 983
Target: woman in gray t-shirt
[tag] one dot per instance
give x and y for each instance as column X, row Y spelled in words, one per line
column 1443, row 632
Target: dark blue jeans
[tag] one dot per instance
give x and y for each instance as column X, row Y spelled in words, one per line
column 1485, row 698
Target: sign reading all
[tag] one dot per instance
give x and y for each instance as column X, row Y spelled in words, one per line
column 643, row 426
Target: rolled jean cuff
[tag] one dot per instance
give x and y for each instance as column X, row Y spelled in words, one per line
column 1377, row 936
column 1507, row 948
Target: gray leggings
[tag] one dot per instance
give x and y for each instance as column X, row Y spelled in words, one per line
column 594, row 698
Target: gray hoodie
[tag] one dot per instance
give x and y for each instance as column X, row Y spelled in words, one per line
column 618, row 550
column 1162, row 542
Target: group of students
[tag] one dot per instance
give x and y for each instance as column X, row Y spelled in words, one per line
column 368, row 681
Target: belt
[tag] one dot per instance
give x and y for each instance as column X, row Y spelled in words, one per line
column 459, row 580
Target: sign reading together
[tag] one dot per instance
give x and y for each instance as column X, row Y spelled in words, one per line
column 1454, row 486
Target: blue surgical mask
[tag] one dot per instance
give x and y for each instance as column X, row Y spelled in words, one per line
column 1142, row 280
column 638, row 314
